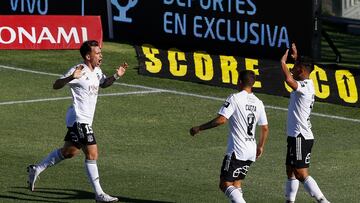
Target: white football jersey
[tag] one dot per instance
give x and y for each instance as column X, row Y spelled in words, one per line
column 300, row 106
column 84, row 92
column 244, row 111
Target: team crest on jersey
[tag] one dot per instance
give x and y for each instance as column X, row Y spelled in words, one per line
column 302, row 83
column 226, row 104
column 98, row 76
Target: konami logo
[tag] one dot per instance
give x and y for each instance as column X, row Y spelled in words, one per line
column 35, row 35
column 48, row 32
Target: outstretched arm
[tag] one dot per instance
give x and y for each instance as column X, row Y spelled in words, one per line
column 219, row 120
column 119, row 73
column 263, row 137
column 60, row 83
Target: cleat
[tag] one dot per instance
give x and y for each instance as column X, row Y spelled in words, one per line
column 33, row 175
column 323, row 200
column 105, row 198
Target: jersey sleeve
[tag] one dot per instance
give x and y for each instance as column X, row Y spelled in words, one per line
column 102, row 76
column 68, row 73
column 227, row 109
column 301, row 87
column 262, row 116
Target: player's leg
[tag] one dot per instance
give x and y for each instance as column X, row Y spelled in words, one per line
column 91, row 155
column 313, row 189
column 310, row 185
column 291, row 184
column 53, row 158
column 90, row 150
column 301, row 169
column 232, row 190
column 232, row 172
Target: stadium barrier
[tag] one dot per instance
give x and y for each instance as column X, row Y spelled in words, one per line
column 235, row 34
column 244, row 28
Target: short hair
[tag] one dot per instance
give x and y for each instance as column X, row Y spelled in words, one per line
column 306, row 63
column 247, row 78
column 86, row 47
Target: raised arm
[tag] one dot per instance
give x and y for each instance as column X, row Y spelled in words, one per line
column 60, row 83
column 288, row 76
column 119, row 73
column 219, row 120
column 294, row 54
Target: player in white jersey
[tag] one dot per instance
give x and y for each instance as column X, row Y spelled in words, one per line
column 84, row 80
column 300, row 137
column 244, row 111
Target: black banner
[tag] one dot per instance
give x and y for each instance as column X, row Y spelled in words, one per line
column 246, row 28
column 333, row 84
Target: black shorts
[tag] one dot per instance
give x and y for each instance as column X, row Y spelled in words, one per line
column 80, row 134
column 298, row 151
column 233, row 169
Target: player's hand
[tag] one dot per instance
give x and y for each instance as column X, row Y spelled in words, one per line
column 121, row 70
column 284, row 57
column 259, row 152
column 294, row 53
column 78, row 72
column 194, row 130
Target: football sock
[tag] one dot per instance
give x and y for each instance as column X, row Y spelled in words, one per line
column 291, row 188
column 234, row 194
column 312, row 188
column 53, row 158
column 93, row 175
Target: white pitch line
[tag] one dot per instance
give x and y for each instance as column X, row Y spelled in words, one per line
column 64, row 98
column 222, row 99
column 34, row 100
column 28, row 71
column 185, row 94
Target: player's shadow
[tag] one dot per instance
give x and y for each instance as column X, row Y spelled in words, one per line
column 62, row 196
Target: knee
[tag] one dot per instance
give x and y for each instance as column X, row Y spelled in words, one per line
column 301, row 175
column 223, row 185
column 91, row 152
column 91, row 156
column 67, row 154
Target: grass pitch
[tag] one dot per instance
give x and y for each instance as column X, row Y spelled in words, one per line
column 145, row 151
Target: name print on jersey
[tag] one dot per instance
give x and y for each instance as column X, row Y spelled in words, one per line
column 249, row 107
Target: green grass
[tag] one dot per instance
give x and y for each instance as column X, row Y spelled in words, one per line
column 146, row 154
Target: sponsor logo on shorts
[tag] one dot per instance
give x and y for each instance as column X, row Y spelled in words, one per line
column 307, row 158
column 243, row 170
column 90, row 138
